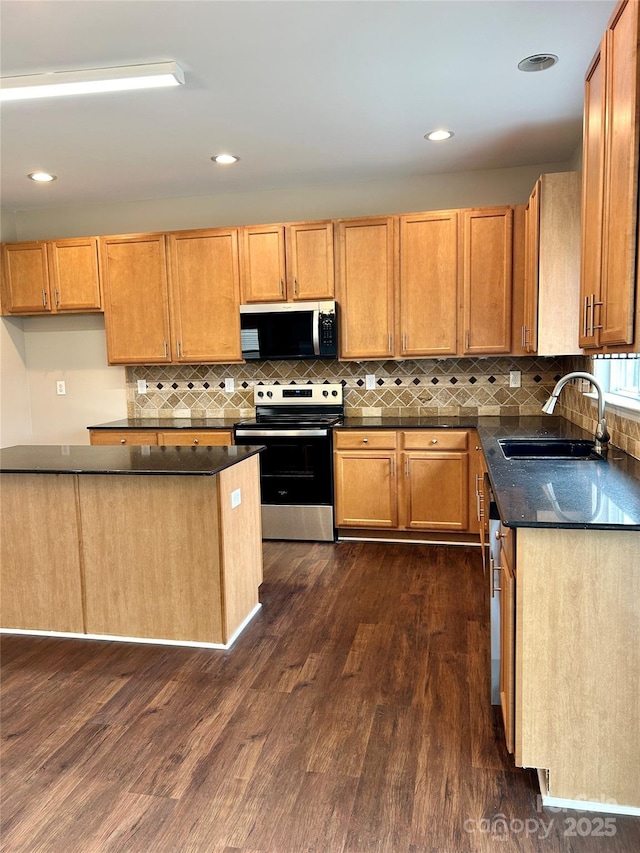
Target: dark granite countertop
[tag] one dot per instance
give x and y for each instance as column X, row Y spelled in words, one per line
column 92, row 459
column 400, row 422
column 168, row 423
column 602, row 494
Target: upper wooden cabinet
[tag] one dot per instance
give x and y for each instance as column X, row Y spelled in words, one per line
column 136, row 299
column 428, row 303
column 287, row 262
column 487, row 262
column 552, row 265
column 205, row 296
column 366, row 273
column 48, row 277
column 609, row 308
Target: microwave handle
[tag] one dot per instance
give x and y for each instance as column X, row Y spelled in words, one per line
column 316, row 332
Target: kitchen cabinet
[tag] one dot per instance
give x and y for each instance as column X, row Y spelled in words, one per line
column 404, row 480
column 287, row 262
column 49, row 277
column 136, row 299
column 552, row 265
column 365, row 479
column 366, row 279
column 428, row 303
column 204, row 285
column 479, row 515
column 487, row 263
column 172, row 438
column 609, row 296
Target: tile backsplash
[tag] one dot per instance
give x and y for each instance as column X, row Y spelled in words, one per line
column 458, row 386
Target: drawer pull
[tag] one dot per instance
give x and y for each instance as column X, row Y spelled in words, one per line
column 501, row 535
column 365, row 441
column 123, row 441
column 195, row 440
column 434, row 441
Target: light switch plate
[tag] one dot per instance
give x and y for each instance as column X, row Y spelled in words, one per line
column 229, row 385
column 515, row 379
column 236, row 498
column 370, row 381
column 142, row 386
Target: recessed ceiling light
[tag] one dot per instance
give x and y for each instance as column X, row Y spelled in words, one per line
column 121, row 78
column 225, row 159
column 538, row 62
column 41, row 177
column 438, row 135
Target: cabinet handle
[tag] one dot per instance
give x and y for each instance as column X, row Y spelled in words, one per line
column 281, row 287
column 467, row 339
column 123, row 441
column 44, row 298
column 404, row 342
column 525, row 342
column 406, row 467
column 393, row 467
column 493, row 569
column 165, row 349
column 593, row 313
column 295, row 286
column 500, row 535
column 56, row 295
column 365, row 441
column 179, row 348
column 390, row 344
column 434, row 441
column 585, row 318
column 195, row 440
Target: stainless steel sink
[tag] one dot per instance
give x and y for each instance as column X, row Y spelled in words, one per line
column 549, row 448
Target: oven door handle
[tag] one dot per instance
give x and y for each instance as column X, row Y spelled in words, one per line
column 281, row 433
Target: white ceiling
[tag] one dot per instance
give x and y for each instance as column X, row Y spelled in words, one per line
column 305, row 93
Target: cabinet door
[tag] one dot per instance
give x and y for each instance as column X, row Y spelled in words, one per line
column 621, row 181
column 136, row 302
column 74, row 273
column 531, row 271
column 366, row 489
column 436, row 490
column 592, row 193
column 310, row 260
column 26, row 279
column 428, row 284
column 366, row 276
column 205, row 296
column 507, row 649
column 487, row 249
column 263, row 264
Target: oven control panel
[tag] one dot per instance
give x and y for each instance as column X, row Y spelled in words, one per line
column 303, row 395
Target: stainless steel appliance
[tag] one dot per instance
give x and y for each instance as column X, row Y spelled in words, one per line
column 288, row 330
column 294, row 423
column 494, row 591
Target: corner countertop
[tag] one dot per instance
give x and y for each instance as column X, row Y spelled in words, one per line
column 599, row 494
column 168, row 423
column 407, row 422
column 92, row 459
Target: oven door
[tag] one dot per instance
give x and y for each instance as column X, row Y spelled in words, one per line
column 296, row 481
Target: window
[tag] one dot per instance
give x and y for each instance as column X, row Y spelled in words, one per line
column 620, row 378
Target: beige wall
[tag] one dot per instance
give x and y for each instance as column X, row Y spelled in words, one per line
column 42, row 350
column 367, row 198
column 72, row 349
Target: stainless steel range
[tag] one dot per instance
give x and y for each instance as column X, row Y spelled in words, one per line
column 295, row 422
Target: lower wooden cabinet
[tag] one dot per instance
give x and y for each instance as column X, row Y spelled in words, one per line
column 172, row 438
column 402, row 480
column 508, row 636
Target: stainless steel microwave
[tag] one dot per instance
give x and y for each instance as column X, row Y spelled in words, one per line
column 288, row 330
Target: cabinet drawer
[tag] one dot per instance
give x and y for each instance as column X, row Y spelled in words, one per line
column 209, row 438
column 128, row 436
column 370, row 440
column 435, row 439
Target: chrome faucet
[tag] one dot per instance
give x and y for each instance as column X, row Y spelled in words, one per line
column 602, row 435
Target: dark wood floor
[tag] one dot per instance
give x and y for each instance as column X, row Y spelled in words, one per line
column 352, row 716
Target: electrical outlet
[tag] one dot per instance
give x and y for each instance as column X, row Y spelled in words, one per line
column 229, row 385
column 370, row 382
column 142, row 386
column 236, row 498
column 515, row 379
column 61, row 388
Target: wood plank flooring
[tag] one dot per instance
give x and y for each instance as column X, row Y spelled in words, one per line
column 352, row 716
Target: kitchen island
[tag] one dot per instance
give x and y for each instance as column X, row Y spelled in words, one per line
column 147, row 544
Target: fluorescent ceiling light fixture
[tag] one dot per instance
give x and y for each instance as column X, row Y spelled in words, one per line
column 119, row 79
column 225, row 159
column 41, row 177
column 438, row 135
